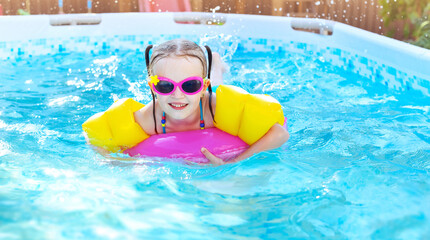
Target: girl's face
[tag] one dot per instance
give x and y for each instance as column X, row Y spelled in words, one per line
column 178, row 105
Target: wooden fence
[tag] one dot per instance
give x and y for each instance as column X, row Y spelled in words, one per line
column 359, row 13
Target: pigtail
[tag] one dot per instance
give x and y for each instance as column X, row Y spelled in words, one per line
column 208, row 49
column 147, row 57
column 153, row 96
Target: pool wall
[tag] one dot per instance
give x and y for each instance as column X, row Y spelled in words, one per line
column 394, row 63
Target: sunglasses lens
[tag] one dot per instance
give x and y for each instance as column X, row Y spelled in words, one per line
column 191, row 86
column 164, row 87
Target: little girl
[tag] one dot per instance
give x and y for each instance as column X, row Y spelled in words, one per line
column 178, row 74
column 179, row 77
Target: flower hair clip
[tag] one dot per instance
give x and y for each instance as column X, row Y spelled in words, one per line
column 154, row 80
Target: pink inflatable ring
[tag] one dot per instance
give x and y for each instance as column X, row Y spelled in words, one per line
column 187, row 145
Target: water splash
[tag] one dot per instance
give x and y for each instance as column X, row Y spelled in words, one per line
column 217, row 8
column 224, row 44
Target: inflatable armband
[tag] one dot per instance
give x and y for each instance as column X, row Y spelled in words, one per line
column 115, row 129
column 248, row 116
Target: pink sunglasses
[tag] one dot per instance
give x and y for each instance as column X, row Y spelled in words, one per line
column 166, row 86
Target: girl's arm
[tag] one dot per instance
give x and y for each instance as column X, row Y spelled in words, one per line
column 274, row 138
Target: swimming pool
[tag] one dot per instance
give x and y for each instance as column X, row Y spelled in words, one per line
column 356, row 166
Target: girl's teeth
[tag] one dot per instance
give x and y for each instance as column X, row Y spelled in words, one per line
column 178, row 105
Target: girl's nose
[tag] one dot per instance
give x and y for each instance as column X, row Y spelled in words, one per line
column 177, row 93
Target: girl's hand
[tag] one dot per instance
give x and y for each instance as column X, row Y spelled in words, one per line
column 274, row 138
column 212, row 159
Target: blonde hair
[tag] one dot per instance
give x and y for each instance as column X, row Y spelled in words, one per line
column 177, row 48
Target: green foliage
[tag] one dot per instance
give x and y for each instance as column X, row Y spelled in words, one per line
column 415, row 14
column 22, row 12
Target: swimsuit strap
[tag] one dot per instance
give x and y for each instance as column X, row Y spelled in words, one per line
column 202, row 122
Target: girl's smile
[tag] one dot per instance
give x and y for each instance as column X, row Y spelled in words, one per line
column 178, row 106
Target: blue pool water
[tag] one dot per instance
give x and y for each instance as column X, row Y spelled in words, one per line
column 356, row 166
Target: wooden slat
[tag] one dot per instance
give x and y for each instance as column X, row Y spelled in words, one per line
column 43, row 6
column 75, row 6
column 197, row 5
column 370, row 20
column 240, row 6
column 278, row 7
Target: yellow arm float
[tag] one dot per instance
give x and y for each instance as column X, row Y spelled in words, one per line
column 115, row 129
column 248, row 116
